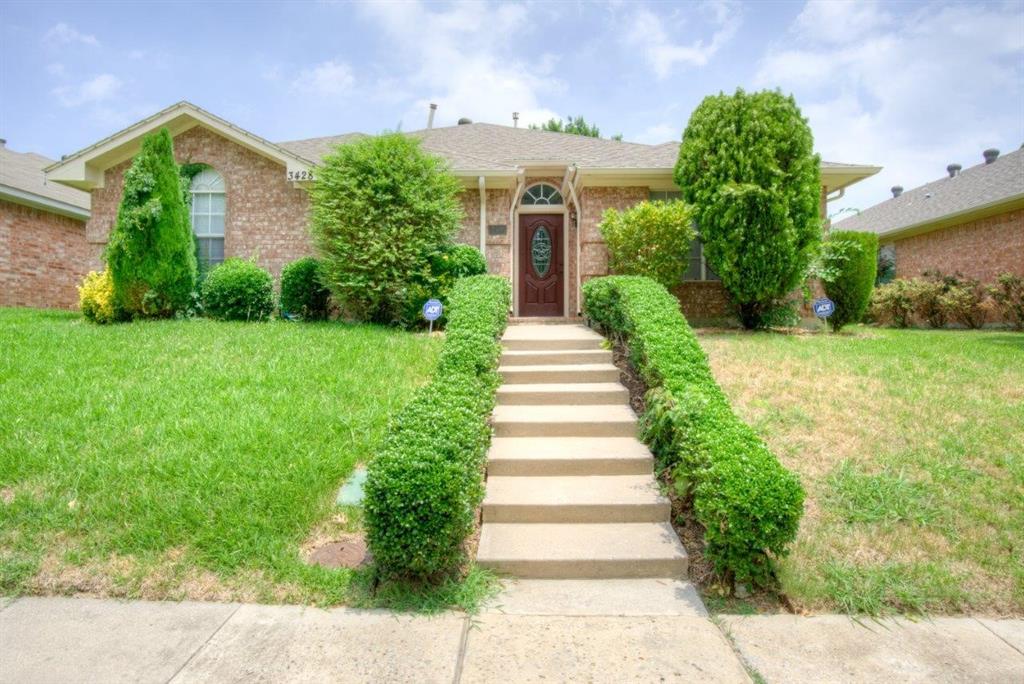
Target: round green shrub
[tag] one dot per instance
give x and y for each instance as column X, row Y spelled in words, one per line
column 303, row 292
column 649, row 239
column 458, row 261
column 748, row 167
column 854, row 265
column 238, row 290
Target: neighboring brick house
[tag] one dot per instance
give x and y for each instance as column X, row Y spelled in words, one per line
column 532, row 199
column 969, row 222
column 43, row 252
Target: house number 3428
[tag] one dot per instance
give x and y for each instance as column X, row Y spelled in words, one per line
column 300, row 175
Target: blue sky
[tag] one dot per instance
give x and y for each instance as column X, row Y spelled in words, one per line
column 908, row 86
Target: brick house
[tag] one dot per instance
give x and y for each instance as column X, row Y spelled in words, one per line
column 43, row 251
column 532, row 199
column 970, row 222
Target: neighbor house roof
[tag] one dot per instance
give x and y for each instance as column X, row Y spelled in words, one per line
column 975, row 192
column 22, row 181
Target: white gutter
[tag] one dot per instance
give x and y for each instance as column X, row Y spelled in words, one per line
column 520, row 182
column 830, row 198
column 54, row 206
column 482, row 183
column 579, row 227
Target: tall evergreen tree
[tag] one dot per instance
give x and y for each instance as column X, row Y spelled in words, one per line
column 151, row 253
column 748, row 167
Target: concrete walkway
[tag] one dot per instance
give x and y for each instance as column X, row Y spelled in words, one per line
column 538, row 630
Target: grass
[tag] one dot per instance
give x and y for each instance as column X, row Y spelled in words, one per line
column 187, row 459
column 909, row 444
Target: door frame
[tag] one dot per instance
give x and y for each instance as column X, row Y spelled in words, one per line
column 516, row 265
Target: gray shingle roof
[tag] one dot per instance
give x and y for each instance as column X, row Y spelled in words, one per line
column 24, row 171
column 979, row 186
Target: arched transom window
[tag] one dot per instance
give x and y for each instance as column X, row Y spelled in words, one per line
column 542, row 194
column 208, row 217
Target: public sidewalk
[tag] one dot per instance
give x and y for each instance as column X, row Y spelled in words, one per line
column 551, row 631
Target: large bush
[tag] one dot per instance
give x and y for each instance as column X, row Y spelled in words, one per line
column 426, row 482
column 893, row 303
column 380, row 207
column 748, row 167
column 303, row 292
column 749, row 505
column 1008, row 295
column 96, row 298
column 151, row 253
column 238, row 290
column 850, row 262
column 649, row 239
column 447, row 265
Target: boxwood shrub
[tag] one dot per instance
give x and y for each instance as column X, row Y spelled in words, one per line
column 748, row 503
column 426, row 481
column 238, row 290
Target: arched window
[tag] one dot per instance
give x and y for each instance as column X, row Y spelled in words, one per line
column 542, row 194
column 208, row 217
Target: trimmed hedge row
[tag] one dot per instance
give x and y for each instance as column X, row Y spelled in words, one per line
column 748, row 503
column 425, row 484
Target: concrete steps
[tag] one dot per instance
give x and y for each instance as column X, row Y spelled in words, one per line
column 542, row 550
column 537, row 394
column 570, row 489
column 575, row 499
column 553, row 456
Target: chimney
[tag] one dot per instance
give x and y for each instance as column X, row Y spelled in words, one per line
column 515, row 119
column 953, row 170
column 3, row 143
column 465, row 120
column 430, row 117
column 897, row 190
column 991, row 154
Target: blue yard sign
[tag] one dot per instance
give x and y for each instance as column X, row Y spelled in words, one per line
column 824, row 307
column 432, row 309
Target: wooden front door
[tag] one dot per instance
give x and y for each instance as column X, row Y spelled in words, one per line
column 540, row 265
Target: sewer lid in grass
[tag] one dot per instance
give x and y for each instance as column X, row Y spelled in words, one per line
column 349, row 551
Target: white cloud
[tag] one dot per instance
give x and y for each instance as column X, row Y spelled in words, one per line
column 467, row 61
column 56, row 69
column 647, row 33
column 65, row 34
column 327, row 78
column 912, row 94
column 659, row 133
column 97, row 89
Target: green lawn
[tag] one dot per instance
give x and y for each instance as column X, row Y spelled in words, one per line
column 910, row 444
column 185, row 459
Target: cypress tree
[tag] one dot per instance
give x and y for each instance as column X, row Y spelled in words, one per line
column 151, row 253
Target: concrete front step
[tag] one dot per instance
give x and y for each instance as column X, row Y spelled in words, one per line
column 580, row 499
column 616, row 420
column 518, row 357
column 539, row 550
column 550, row 337
column 571, row 393
column 538, row 456
column 583, row 372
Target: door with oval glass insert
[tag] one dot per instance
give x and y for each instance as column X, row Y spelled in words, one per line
column 540, row 265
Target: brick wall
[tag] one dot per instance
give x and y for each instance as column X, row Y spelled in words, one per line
column 43, row 257
column 498, row 252
column 593, row 252
column 979, row 249
column 266, row 216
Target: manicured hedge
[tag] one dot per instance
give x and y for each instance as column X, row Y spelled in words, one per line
column 425, row 484
column 851, row 284
column 748, row 503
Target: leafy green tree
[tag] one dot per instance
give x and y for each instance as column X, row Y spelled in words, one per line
column 379, row 208
column 849, row 265
column 151, row 253
column 575, row 125
column 649, row 239
column 748, row 167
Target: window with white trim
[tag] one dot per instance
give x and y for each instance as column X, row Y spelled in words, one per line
column 208, row 209
column 542, row 193
column 697, row 268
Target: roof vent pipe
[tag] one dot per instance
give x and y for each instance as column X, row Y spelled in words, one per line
column 430, row 117
column 991, row 154
column 897, row 190
column 953, row 170
column 515, row 120
column 463, row 121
